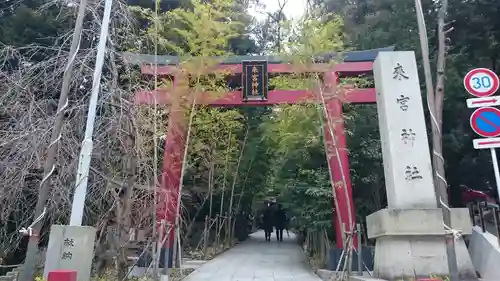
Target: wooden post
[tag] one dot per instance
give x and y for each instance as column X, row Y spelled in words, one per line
column 227, row 231
column 497, row 222
column 166, row 257
column 216, row 240
column 360, row 250
column 205, row 235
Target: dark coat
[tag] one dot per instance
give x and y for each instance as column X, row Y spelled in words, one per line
column 280, row 219
column 268, row 219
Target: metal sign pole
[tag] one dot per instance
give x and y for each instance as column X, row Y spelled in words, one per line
column 82, row 175
column 495, row 168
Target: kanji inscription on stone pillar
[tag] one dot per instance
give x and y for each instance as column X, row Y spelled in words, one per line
column 405, row 149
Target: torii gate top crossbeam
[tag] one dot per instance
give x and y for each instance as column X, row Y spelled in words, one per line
column 353, row 64
column 354, row 56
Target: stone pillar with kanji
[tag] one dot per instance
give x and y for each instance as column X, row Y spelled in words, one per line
column 70, row 248
column 410, row 235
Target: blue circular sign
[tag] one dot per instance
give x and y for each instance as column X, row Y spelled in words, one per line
column 485, row 121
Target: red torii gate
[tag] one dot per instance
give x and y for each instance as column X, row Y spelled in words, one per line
column 354, row 64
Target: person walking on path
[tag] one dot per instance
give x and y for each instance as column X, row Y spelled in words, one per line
column 280, row 222
column 268, row 222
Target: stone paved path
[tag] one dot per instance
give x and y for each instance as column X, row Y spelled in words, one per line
column 258, row 260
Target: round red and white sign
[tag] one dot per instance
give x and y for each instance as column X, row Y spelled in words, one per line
column 481, row 82
column 485, row 121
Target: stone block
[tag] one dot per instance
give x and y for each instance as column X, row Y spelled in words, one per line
column 412, row 222
column 399, row 257
column 70, row 248
column 12, row 274
column 484, row 250
column 410, row 243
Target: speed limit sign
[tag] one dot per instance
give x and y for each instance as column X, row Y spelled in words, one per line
column 481, row 82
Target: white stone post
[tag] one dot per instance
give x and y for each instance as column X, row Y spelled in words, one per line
column 410, row 234
column 71, row 248
column 405, row 149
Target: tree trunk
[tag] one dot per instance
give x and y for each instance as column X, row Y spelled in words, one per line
column 441, row 185
column 435, row 104
column 235, row 178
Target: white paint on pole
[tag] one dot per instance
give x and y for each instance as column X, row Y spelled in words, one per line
column 405, row 149
column 480, row 102
column 82, row 175
column 486, row 143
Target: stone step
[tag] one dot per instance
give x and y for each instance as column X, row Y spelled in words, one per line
column 13, row 274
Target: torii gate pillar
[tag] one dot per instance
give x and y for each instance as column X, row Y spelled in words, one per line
column 169, row 197
column 338, row 162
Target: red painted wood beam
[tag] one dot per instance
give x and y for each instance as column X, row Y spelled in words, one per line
column 338, row 157
column 234, row 98
column 345, row 67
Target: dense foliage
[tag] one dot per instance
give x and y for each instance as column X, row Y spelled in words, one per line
column 242, row 155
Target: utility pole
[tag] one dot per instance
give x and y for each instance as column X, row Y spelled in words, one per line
column 82, row 175
column 29, row 268
column 437, row 158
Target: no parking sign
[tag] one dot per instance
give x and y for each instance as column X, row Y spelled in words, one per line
column 485, row 121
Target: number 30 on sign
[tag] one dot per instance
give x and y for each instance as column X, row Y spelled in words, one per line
column 481, row 82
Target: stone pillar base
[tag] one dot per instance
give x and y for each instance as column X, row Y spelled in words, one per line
column 410, row 243
column 70, row 248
